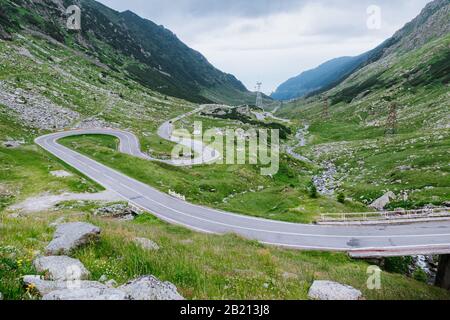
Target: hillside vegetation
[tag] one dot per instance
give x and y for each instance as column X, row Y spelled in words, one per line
column 413, row 162
column 125, row 42
column 51, row 79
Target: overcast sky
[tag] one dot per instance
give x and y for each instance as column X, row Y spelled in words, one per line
column 273, row 40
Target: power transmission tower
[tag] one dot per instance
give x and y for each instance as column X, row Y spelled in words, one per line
column 391, row 125
column 326, row 109
column 259, row 100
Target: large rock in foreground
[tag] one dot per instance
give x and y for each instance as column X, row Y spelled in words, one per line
column 44, row 287
column 61, row 268
column 90, row 294
column 70, row 236
column 328, row 290
column 150, row 288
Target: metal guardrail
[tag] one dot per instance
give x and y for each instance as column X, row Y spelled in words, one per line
column 386, row 215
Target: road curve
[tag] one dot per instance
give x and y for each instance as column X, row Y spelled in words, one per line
column 417, row 237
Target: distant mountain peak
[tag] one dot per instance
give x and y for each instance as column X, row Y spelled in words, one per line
column 433, row 22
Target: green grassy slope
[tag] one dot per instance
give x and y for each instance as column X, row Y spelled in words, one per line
column 415, row 159
column 140, row 49
column 201, row 266
column 25, row 171
column 73, row 82
column 236, row 188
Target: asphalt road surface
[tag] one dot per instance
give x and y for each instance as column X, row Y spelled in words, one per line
column 418, row 237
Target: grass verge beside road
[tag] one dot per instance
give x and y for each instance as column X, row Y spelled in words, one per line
column 201, row 266
column 235, row 188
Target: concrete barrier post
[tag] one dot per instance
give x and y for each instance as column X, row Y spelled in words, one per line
column 443, row 276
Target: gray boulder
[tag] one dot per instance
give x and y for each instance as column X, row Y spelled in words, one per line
column 1, row 296
column 328, row 290
column 12, row 144
column 44, row 287
column 111, row 283
column 121, row 211
column 86, row 294
column 70, row 236
column 150, row 288
column 61, row 268
column 383, row 201
column 146, row 244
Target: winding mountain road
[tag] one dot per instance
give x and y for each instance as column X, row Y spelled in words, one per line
column 415, row 238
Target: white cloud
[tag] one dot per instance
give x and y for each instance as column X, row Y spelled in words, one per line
column 271, row 41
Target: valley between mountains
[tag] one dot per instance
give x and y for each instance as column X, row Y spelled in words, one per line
column 342, row 148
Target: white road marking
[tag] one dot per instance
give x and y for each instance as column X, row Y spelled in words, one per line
column 84, row 163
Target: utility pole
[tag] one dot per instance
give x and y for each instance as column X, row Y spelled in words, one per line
column 391, row 125
column 259, row 100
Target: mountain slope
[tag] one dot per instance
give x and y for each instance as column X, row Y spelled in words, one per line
column 431, row 23
column 388, row 124
column 149, row 53
column 315, row 79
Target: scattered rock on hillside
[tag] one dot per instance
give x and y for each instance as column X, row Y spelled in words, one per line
column 47, row 201
column 13, row 143
column 57, row 222
column 92, row 294
column 70, row 236
column 111, row 283
column 122, row 211
column 383, row 201
column 289, row 276
column 61, row 174
column 326, row 182
column 328, row 290
column 146, row 243
column 34, row 109
column 5, row 35
column 150, row 288
column 4, row 192
column 44, row 287
column 95, row 123
column 61, row 268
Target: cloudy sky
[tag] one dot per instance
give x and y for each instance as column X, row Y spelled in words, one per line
column 273, row 40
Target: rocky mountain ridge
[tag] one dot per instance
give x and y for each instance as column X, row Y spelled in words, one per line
column 143, row 50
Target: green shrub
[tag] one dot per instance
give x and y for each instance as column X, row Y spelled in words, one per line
column 398, row 264
column 312, row 190
column 420, row 275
